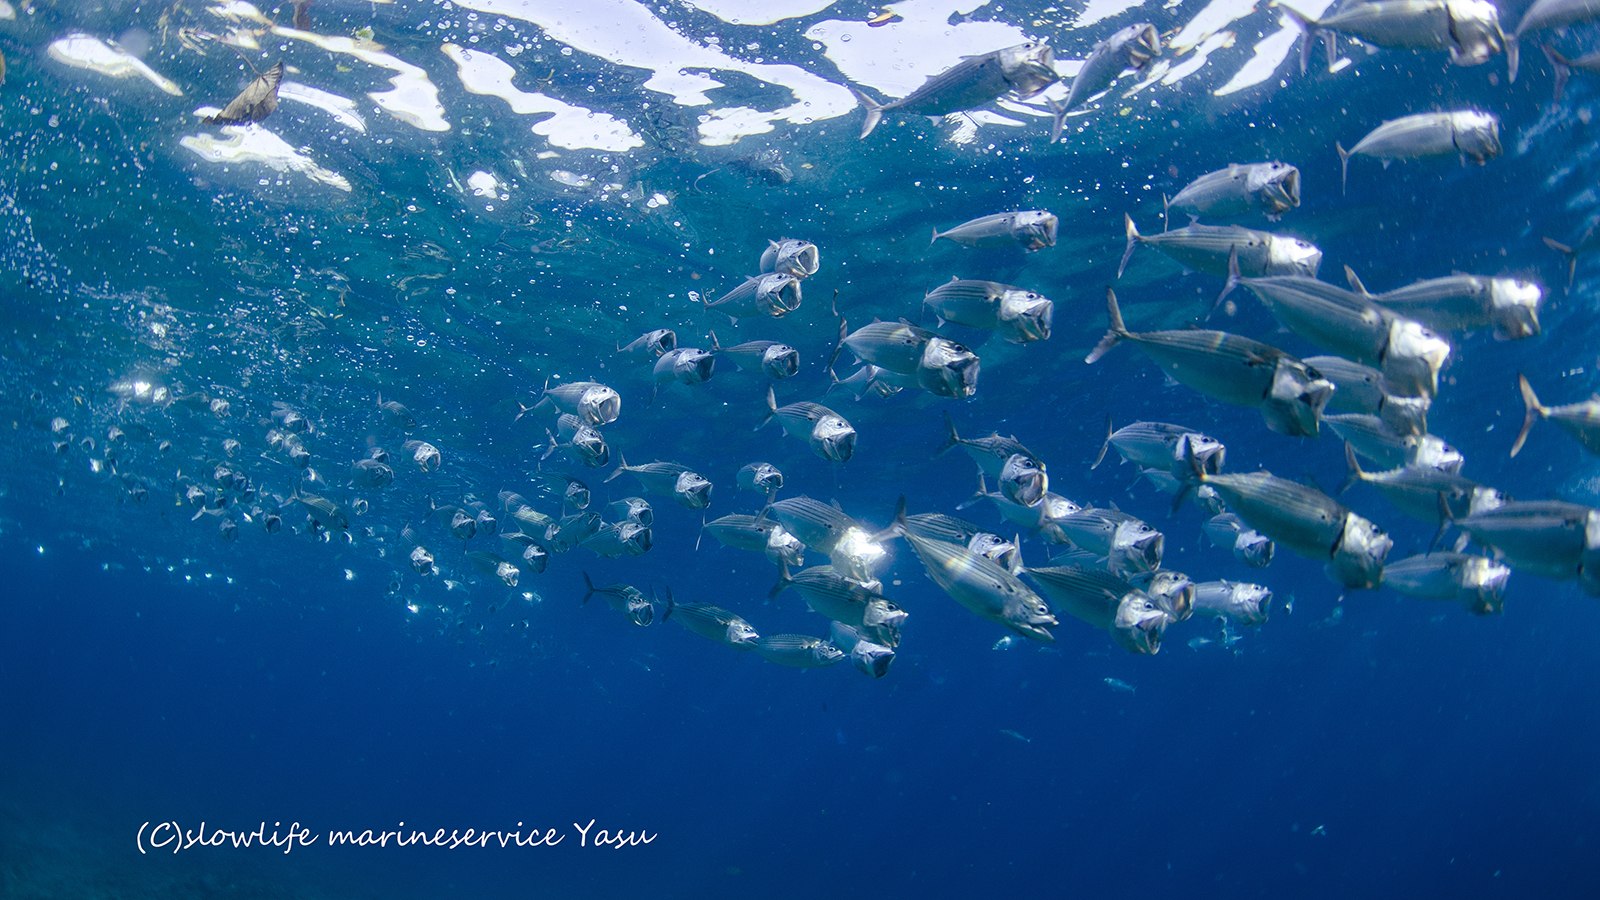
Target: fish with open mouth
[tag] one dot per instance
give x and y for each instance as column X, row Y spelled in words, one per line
column 1033, row 229
column 1105, row 601
column 1242, row 189
column 1024, row 70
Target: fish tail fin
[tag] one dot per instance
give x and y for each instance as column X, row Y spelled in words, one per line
column 1115, row 335
column 1513, row 57
column 982, row 492
column 1446, row 519
column 1166, row 212
column 1307, row 27
column 844, row 332
column 936, row 236
column 952, row 438
column 525, row 411
column 622, row 466
column 874, row 112
column 1570, row 254
column 1535, row 410
column 772, row 409
column 588, row 583
column 1133, row 242
column 1058, row 119
column 701, row 536
column 670, row 605
column 1233, row 278
column 899, row 526
column 553, row 445
column 784, row 580
column 1354, row 465
column 1104, row 446
column 715, row 347
column 833, row 382
column 1563, row 67
column 1344, row 167
column 1355, row 283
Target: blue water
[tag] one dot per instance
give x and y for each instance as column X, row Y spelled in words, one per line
column 1364, row 744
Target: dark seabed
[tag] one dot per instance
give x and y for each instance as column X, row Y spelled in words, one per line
column 455, row 229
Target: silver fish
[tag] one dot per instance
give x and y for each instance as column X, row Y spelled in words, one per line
column 1024, row 70
column 257, row 101
column 535, row 556
column 1105, row 601
column 685, row 365
column 771, row 358
column 1588, row 62
column 1471, row 133
column 624, row 598
column 323, row 511
column 1021, row 481
column 791, row 257
column 1129, row 49
column 649, row 346
column 1469, row 29
column 1417, row 490
column 1370, row 437
column 425, row 456
column 1205, row 248
column 939, row 365
column 1476, row 582
column 1159, row 445
column 620, row 539
column 492, row 564
column 573, row 530
column 984, row 587
column 774, row 294
column 831, row 593
column 713, row 622
column 829, row 434
column 1127, row 544
column 1172, row 591
column 1248, row 546
column 872, row 379
column 756, row 535
column 990, row 453
column 633, row 509
column 1034, row 229
column 1546, row 14
column 760, row 476
column 870, row 657
column 1361, row 389
column 1551, row 538
column 395, row 414
column 1242, row 189
column 1354, row 327
column 584, row 444
column 574, row 492
column 1465, row 303
column 1236, row 601
column 1308, row 522
column 1581, row 419
column 797, row 650
column 1232, row 369
column 591, row 401
column 371, row 474
column 1017, row 314
column 669, row 479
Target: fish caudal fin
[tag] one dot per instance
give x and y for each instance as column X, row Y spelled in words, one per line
column 784, row 580
column 1058, row 119
column 1310, row 30
column 1535, row 410
column 952, row 439
column 1570, row 254
column 1133, row 241
column 1513, row 57
column 622, row 466
column 1233, row 277
column 1344, row 167
column 1355, row 283
column 1105, row 446
column 1117, row 333
column 1563, row 67
column 874, row 112
column 1354, row 466
column 772, row 409
column 982, row 492
column 589, row 584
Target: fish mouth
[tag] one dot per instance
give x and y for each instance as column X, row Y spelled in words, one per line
column 702, row 369
column 806, row 261
column 785, row 298
column 782, row 365
column 840, row 448
column 639, row 542
column 1290, row 182
column 603, row 407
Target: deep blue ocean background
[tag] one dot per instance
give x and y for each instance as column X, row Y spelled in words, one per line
column 1361, row 745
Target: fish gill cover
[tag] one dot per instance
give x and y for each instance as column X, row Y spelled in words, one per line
column 376, row 372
